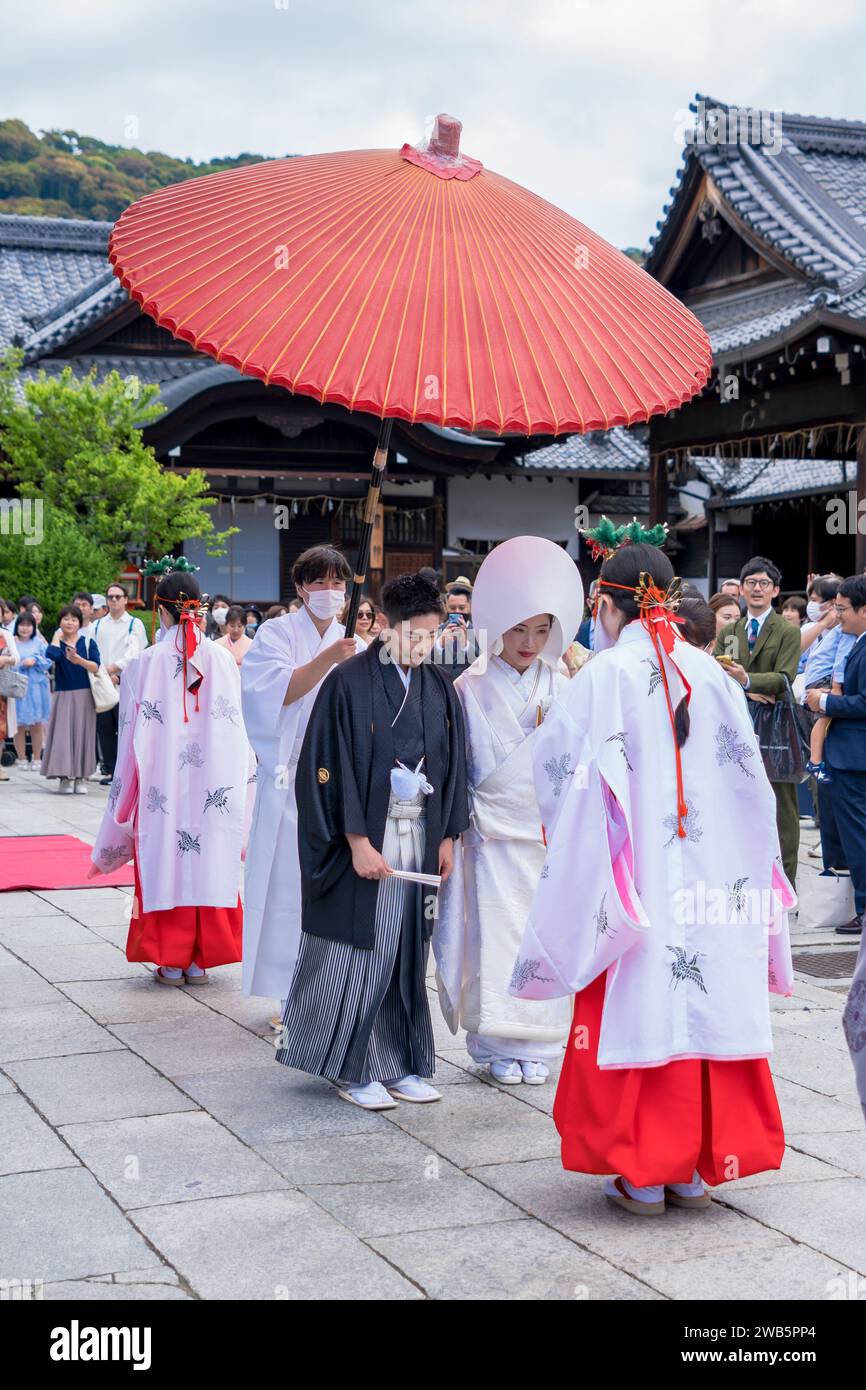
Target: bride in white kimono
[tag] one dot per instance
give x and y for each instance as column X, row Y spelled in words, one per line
column 527, row 604
column 280, row 678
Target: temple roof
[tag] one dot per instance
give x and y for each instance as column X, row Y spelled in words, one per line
column 795, row 187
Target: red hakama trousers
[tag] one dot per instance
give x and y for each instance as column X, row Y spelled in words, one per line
column 182, row 936
column 656, row 1125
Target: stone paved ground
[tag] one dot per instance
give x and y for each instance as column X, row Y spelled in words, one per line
column 151, row 1148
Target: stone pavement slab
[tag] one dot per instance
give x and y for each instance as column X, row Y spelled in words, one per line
column 113, row 1293
column 828, row 1216
column 782, row 1272
column 573, row 1203
column 17, row 905
column 50, row 1030
column 479, row 1124
column 60, row 1225
column 520, row 1260
column 96, row 1086
column 272, row 1105
column 441, row 1196
column 845, row 1151
column 805, row 1110
column 136, row 1000
column 55, row 931
column 200, row 1043
column 380, row 1155
column 168, row 1158
column 97, row 960
column 270, row 1245
column 27, row 1143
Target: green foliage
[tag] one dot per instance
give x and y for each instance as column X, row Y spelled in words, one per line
column 76, row 444
column 65, row 559
column 63, row 174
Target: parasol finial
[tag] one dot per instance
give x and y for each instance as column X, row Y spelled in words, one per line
column 439, row 153
column 445, row 140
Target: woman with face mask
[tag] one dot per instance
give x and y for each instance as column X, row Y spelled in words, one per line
column 527, row 603
column 218, row 617
column 281, row 675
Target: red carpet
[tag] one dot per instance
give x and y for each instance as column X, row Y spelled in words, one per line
column 52, row 861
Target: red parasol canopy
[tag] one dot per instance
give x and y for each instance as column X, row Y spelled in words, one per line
column 411, row 284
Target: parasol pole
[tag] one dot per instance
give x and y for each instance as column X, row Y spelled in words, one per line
column 380, row 461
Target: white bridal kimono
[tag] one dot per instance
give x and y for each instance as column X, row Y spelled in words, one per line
column 484, row 906
column 272, row 881
column 690, row 930
column 181, row 786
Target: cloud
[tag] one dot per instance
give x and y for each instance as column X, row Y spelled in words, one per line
column 578, row 99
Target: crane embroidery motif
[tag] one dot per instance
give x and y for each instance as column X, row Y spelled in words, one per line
column 619, row 739
column 218, row 798
column 150, row 710
column 738, row 897
column 602, row 921
column 655, row 679
column 685, row 969
column 187, row 842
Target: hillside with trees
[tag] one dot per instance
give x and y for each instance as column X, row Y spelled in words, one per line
column 60, row 173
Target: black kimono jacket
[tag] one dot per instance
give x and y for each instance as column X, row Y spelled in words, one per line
column 343, row 786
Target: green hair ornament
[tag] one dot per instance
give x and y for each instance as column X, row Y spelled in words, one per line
column 168, row 565
column 605, row 538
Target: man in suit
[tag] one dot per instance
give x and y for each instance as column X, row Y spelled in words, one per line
column 843, row 825
column 761, row 650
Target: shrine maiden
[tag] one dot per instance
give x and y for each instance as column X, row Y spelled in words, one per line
column 281, row 675
column 177, row 802
column 526, row 605
column 662, row 907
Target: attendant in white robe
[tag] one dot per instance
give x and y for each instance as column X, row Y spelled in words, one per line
column 527, row 604
column 281, row 675
column 662, row 907
column 178, row 798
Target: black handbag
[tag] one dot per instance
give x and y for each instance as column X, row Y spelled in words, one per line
column 783, row 744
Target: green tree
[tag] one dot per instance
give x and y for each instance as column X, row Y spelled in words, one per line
column 63, row 559
column 76, row 444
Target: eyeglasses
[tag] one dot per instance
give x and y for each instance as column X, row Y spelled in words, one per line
column 757, row 583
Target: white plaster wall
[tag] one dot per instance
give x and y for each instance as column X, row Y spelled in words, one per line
column 494, row 509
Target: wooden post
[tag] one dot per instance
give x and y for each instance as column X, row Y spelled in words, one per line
column 658, row 497
column 374, row 492
column 860, row 537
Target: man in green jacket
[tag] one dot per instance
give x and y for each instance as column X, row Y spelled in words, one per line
column 761, row 649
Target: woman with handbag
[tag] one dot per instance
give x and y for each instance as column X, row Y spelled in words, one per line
column 33, row 706
column 70, row 748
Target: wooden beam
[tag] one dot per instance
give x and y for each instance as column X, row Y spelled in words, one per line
column 658, row 492
column 860, row 538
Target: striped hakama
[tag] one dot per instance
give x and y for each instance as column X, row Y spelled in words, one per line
column 357, row 1016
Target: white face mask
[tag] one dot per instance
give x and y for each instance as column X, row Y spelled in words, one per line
column 324, row 603
column 813, row 610
column 219, row 615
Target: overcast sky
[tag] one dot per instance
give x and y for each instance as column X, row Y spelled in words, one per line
column 581, row 100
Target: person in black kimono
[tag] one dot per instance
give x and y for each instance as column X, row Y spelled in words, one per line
column 380, row 786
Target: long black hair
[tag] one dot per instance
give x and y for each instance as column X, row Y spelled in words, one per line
column 625, row 567
column 174, row 588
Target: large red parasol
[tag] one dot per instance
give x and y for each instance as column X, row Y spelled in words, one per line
column 411, row 284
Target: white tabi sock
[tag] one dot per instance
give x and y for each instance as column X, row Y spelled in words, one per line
column 695, row 1188
column 193, row 969
column 171, row 972
column 644, row 1194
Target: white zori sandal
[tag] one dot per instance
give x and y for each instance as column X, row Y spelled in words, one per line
column 373, row 1096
